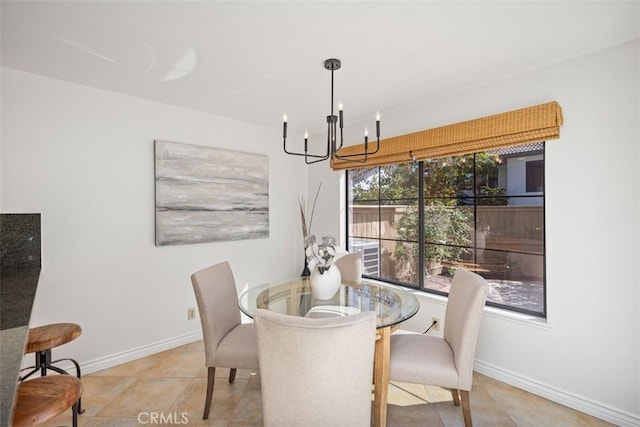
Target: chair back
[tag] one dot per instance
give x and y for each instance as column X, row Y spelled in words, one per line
column 316, row 372
column 464, row 311
column 217, row 299
column 350, row 266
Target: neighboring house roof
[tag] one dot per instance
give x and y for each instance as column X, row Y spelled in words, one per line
column 518, row 149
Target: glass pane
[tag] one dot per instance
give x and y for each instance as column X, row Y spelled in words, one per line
column 399, row 220
column 370, row 250
column 487, row 174
column 399, row 182
column 364, row 220
column 516, row 288
column 518, row 226
column 363, row 184
column 399, row 262
column 439, row 278
column 520, row 170
column 447, row 223
column 449, row 176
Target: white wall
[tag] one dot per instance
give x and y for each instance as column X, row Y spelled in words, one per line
column 84, row 159
column 588, row 354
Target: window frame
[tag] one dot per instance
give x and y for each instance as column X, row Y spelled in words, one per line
column 420, row 284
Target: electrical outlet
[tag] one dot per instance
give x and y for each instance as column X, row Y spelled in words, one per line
column 191, row 313
column 436, row 327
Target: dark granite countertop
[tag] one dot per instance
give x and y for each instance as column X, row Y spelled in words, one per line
column 18, row 292
column 20, row 260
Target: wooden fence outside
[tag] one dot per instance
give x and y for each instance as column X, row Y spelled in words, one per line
column 515, row 229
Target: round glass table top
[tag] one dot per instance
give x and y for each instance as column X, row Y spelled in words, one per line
column 392, row 304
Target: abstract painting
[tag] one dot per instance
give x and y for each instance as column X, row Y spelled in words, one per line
column 207, row 194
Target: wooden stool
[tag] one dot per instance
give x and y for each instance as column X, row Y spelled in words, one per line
column 43, row 398
column 42, row 339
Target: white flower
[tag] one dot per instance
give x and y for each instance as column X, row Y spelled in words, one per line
column 320, row 255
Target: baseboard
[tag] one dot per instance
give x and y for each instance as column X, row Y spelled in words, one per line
column 132, row 354
column 587, row 406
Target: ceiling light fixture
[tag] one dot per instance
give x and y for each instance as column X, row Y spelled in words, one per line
column 333, row 122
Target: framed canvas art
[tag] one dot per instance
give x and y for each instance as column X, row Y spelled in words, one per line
column 206, row 194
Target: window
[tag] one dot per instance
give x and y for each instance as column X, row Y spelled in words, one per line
column 535, row 176
column 419, row 221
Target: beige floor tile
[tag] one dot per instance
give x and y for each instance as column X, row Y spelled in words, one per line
column 146, row 395
column 130, row 369
column 249, row 408
column 423, row 414
column 225, row 399
column 527, row 409
column 438, row 394
column 180, row 364
column 223, row 373
column 406, row 394
column 99, row 391
column 114, row 422
column 174, row 381
column 65, row 419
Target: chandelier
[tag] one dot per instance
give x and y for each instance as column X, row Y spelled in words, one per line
column 333, row 121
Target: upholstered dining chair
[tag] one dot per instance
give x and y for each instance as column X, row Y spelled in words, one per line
column 446, row 362
column 228, row 343
column 316, row 372
column 350, row 266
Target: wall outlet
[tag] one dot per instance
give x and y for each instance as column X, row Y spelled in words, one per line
column 191, row 313
column 435, row 327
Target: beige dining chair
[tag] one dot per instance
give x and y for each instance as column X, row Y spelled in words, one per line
column 316, row 372
column 446, row 362
column 228, row 343
column 350, row 266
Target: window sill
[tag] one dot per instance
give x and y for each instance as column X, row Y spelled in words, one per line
column 493, row 312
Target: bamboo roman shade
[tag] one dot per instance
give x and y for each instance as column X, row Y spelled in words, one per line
column 531, row 124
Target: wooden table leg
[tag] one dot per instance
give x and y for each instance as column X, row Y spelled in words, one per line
column 381, row 377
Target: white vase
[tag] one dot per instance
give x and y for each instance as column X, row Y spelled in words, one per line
column 325, row 286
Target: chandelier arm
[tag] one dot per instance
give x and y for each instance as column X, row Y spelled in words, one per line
column 293, row 153
column 318, row 158
column 315, row 161
column 365, row 153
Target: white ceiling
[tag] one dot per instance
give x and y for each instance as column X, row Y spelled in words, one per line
column 254, row 60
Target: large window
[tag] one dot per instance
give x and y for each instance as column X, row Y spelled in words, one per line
column 416, row 223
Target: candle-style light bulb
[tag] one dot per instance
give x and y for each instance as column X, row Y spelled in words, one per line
column 340, row 105
column 284, row 125
column 366, row 139
column 377, row 116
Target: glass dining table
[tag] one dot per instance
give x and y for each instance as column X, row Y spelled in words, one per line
column 392, row 305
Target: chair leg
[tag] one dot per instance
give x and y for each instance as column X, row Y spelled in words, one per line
column 232, row 375
column 456, row 396
column 466, row 408
column 74, row 409
column 211, row 376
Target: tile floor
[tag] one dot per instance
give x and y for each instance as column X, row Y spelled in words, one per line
column 173, row 383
